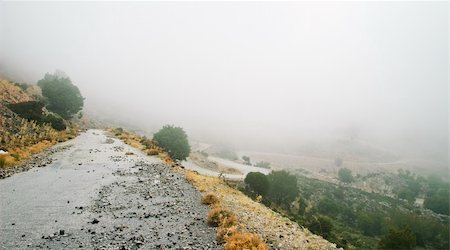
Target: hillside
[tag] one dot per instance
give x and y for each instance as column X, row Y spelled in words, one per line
column 253, row 217
column 22, row 136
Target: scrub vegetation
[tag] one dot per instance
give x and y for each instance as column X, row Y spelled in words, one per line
column 27, row 124
column 354, row 218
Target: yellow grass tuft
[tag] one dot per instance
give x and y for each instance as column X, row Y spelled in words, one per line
column 7, row 160
column 221, row 217
column 223, row 234
column 239, row 241
column 152, row 151
column 210, row 199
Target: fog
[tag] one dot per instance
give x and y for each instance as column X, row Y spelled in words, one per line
column 256, row 76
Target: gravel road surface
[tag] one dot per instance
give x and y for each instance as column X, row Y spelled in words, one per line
column 96, row 192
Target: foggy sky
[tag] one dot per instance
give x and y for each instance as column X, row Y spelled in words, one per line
column 239, row 71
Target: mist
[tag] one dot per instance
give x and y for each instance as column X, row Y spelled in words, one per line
column 256, row 76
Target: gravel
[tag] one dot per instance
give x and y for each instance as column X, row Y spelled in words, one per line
column 113, row 200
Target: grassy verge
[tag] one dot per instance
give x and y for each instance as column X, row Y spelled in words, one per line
column 230, row 230
column 241, row 222
column 18, row 154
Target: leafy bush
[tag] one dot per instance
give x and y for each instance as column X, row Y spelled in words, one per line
column 283, row 187
column 62, row 96
column 320, row 225
column 438, row 197
column 246, row 160
column 174, row 141
column 56, row 122
column 398, row 239
column 240, row 241
column 345, row 175
column 371, row 223
column 31, row 110
column 258, row 182
column 328, row 206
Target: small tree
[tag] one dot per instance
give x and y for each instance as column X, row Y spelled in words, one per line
column 283, row 187
column 62, row 96
column 174, row 141
column 321, row 225
column 258, row 182
column 246, row 160
column 398, row 239
column 345, row 175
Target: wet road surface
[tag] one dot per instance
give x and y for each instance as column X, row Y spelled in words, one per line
column 99, row 193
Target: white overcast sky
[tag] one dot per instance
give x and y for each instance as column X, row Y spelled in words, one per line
column 243, row 69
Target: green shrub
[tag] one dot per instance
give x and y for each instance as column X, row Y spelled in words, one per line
column 345, row 175
column 31, row 110
column 246, row 160
column 398, row 239
column 56, row 122
column 320, row 225
column 257, row 182
column 174, row 141
column 283, row 187
column 62, row 96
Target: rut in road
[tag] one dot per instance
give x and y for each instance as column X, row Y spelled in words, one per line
column 99, row 193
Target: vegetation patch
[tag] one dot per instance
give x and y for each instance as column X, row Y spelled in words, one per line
column 210, row 199
column 238, row 214
column 253, row 217
column 240, row 241
column 174, row 141
column 219, row 216
column 354, row 218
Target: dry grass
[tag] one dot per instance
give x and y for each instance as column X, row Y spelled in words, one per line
column 221, row 217
column 7, row 160
column 131, row 139
column 153, row 151
column 23, row 148
column 223, row 234
column 239, row 241
column 142, row 143
column 269, row 225
column 210, row 199
column 9, row 93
